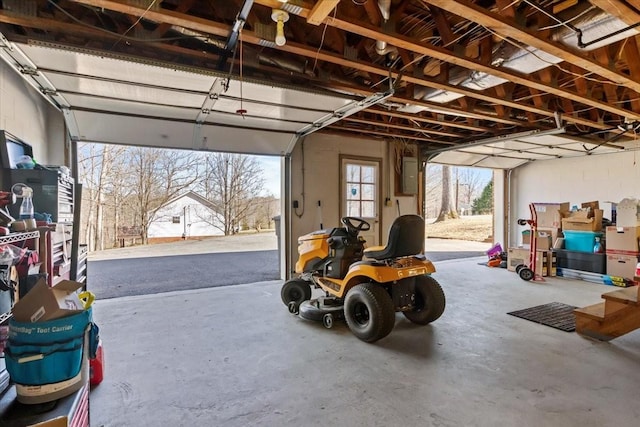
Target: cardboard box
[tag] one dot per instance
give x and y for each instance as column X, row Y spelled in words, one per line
column 580, row 221
column 517, row 256
column 623, row 239
column 552, row 264
column 628, row 213
column 622, row 265
column 43, row 303
column 543, row 240
column 550, row 214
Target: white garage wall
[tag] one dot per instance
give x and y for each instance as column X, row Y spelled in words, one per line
column 27, row 115
column 322, row 182
column 605, row 178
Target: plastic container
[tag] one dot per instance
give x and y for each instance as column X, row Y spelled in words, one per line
column 494, row 250
column 96, row 366
column 26, row 208
column 582, row 261
column 597, row 247
column 580, row 241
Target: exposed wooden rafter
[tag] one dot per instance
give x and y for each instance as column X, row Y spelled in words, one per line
column 443, row 54
column 619, row 9
column 366, row 30
column 321, row 10
column 509, row 28
column 434, row 50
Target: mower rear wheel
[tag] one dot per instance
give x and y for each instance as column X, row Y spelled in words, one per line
column 295, row 291
column 429, row 301
column 369, row 312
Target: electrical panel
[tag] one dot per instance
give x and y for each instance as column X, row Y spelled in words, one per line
column 410, row 175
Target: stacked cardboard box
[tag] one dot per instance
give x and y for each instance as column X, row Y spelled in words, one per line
column 622, row 250
column 549, row 218
column 545, row 261
column 628, row 213
column 588, row 218
column 543, row 239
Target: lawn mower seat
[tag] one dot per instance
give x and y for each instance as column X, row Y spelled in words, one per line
column 406, row 238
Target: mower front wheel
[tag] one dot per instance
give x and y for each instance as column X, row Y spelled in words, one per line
column 294, row 292
column 369, row 312
column 429, row 301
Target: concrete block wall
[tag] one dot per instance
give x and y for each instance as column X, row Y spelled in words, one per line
column 605, row 178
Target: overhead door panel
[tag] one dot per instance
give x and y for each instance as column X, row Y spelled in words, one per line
column 76, row 63
column 124, row 91
column 133, row 108
column 112, row 100
column 123, row 129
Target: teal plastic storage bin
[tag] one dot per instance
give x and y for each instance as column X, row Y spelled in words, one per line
column 580, row 241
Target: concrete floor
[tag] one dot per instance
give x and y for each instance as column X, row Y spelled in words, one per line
column 234, row 356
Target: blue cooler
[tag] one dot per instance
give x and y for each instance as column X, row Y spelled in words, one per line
column 46, row 352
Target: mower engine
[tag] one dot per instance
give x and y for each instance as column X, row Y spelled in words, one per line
column 329, row 252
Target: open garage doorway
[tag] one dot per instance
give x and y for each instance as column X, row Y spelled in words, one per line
column 164, row 213
column 458, row 208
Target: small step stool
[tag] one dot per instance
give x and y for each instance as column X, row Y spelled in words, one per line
column 619, row 314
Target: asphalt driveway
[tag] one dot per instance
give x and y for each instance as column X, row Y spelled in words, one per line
column 222, row 261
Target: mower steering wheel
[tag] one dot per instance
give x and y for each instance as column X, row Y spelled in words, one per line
column 361, row 224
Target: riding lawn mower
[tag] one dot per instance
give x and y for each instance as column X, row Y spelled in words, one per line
column 365, row 287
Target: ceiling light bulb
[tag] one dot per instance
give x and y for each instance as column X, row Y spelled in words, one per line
column 280, row 38
column 280, row 17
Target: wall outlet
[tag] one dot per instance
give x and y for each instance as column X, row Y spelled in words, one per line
column 295, row 204
column 388, row 202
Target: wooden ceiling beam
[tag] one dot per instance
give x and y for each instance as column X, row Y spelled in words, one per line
column 619, row 9
column 635, row 3
column 443, row 26
column 162, row 16
column 428, row 106
column 321, row 10
column 354, row 119
column 399, row 40
column 511, row 29
column 389, row 134
column 421, row 119
column 55, row 25
column 210, row 27
column 373, row 12
column 183, row 7
column 632, row 57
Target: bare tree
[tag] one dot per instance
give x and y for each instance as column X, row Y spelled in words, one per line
column 433, row 190
column 104, row 172
column 89, row 165
column 447, row 209
column 158, row 175
column 470, row 184
column 231, row 182
column 266, row 208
